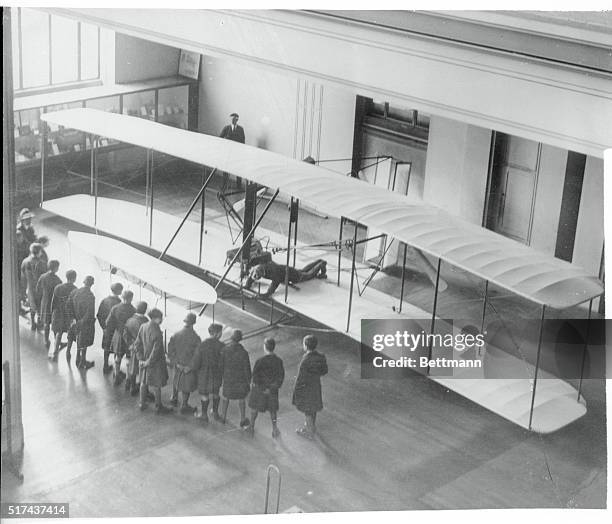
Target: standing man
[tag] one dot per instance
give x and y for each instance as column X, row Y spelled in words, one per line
column 115, row 324
column 24, row 226
column 233, row 132
column 207, row 366
column 307, row 396
column 181, row 350
column 268, row 376
column 60, row 316
column 236, row 368
column 44, row 289
column 32, row 269
column 152, row 360
column 103, row 311
column 82, row 307
column 132, row 326
column 26, row 236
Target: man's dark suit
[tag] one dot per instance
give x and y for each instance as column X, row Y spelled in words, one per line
column 237, row 134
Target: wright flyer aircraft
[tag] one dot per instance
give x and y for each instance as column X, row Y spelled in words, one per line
column 538, row 400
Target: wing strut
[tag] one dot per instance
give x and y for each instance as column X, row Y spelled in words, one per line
column 193, row 204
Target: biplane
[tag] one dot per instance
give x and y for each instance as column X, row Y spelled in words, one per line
column 541, row 279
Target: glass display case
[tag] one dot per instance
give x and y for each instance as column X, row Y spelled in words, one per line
column 172, row 106
column 61, row 140
column 28, row 137
column 171, row 101
column 110, row 104
column 141, row 104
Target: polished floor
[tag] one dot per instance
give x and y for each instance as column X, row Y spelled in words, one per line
column 383, row 444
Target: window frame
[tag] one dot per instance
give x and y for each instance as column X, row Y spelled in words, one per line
column 50, row 86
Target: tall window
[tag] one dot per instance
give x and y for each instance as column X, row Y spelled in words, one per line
column 50, row 50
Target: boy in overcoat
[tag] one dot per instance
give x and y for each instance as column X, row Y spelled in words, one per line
column 132, row 326
column 106, row 304
column 115, row 324
column 61, row 319
column 307, row 396
column 207, row 366
column 44, row 289
column 82, row 307
column 181, row 349
column 236, row 368
column 152, row 360
column 268, row 376
column 32, row 268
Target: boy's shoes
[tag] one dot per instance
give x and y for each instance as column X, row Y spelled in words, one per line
column 162, row 410
column 303, row 432
column 203, row 417
column 86, row 364
column 118, row 378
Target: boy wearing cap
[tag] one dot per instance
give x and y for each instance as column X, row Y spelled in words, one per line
column 151, row 354
column 307, row 396
column 181, row 349
column 26, row 236
column 268, row 376
column 103, row 311
column 81, row 307
column 60, row 316
column 115, row 324
column 44, row 289
column 24, row 225
column 44, row 242
column 132, row 326
column 236, row 371
column 207, row 366
column 32, row 268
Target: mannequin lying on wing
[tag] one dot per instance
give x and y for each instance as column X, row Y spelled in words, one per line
column 276, row 274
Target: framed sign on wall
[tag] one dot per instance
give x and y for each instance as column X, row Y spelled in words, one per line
column 189, row 64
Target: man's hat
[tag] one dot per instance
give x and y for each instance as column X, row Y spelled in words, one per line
column 89, row 280
column 190, row 319
column 235, row 114
column 117, row 288
column 25, row 213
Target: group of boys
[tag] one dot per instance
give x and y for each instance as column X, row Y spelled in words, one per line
column 222, row 372
column 32, row 262
column 219, row 372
